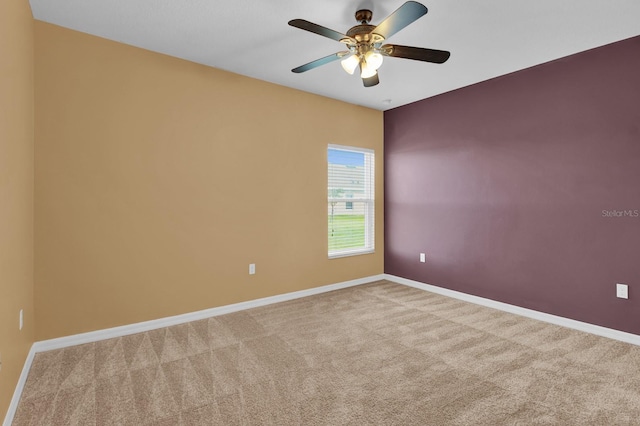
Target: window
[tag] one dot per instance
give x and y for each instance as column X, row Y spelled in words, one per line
column 350, row 200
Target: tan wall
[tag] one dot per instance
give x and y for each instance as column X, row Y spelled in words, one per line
column 16, row 191
column 158, row 181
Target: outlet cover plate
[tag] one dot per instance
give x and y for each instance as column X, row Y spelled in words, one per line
column 622, row 291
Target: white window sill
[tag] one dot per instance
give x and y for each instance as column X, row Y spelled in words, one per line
column 347, row 253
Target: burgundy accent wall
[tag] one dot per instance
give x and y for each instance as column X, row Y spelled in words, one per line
column 524, row 189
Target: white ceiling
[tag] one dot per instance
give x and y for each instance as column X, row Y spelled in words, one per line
column 486, row 38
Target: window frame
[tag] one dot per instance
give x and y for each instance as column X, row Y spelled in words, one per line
column 368, row 199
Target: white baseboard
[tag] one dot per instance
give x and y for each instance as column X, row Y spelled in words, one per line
column 109, row 333
column 529, row 313
column 13, row 405
column 94, row 336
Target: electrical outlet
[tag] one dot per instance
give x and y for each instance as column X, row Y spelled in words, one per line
column 252, row 268
column 21, row 319
column 622, row 291
column 423, row 257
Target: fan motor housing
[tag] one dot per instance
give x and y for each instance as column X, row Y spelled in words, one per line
column 360, row 32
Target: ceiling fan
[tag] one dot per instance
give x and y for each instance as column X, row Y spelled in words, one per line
column 364, row 43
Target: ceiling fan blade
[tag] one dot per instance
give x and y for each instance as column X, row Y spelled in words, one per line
column 371, row 81
column 416, row 53
column 403, row 16
column 319, row 62
column 318, row 29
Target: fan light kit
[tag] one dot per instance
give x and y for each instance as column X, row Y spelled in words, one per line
column 364, row 43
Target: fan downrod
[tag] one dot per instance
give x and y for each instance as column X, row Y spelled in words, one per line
column 364, row 16
column 361, row 32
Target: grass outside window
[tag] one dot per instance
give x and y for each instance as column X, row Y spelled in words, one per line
column 346, row 231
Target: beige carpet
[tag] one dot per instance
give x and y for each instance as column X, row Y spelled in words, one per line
column 380, row 354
